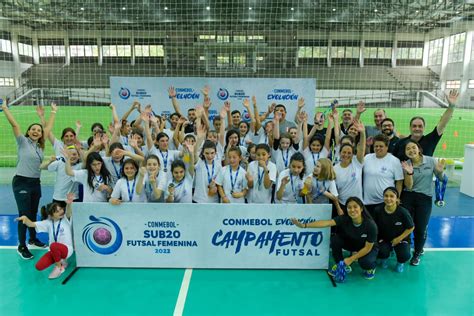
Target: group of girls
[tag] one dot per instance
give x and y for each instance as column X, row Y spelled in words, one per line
column 251, row 163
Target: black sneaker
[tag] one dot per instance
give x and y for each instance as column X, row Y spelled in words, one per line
column 415, row 260
column 37, row 243
column 422, row 252
column 24, row 253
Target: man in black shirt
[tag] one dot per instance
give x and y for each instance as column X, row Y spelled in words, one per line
column 417, row 128
column 388, row 129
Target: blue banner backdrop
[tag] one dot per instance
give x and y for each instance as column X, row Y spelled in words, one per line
column 243, row 236
column 154, row 91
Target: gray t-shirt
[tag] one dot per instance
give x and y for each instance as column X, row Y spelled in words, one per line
column 423, row 177
column 30, row 156
column 285, row 125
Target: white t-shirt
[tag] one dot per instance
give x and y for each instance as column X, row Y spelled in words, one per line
column 259, row 137
column 161, row 180
column 291, row 195
column 62, row 229
column 166, row 158
column 203, row 173
column 183, row 191
column 170, row 134
column 58, row 147
column 318, row 187
column 90, row 194
column 64, row 184
column 124, row 189
column 380, row 174
column 281, row 158
column 238, row 180
column 259, row 194
column 311, row 158
column 349, row 180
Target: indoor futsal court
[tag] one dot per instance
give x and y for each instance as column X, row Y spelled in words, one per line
column 217, row 157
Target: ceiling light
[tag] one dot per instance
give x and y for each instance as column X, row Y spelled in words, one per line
column 123, row 8
column 417, row 11
column 208, row 8
column 334, row 9
column 375, row 10
column 292, row 9
column 250, row 8
column 457, row 12
column 41, row 9
column 82, row 9
column 166, row 8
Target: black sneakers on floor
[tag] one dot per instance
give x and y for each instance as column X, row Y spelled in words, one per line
column 24, row 253
column 37, row 243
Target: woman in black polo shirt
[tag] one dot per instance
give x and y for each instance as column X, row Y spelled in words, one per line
column 394, row 225
column 356, row 232
column 26, row 182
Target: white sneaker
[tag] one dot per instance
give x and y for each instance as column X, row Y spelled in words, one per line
column 57, row 271
column 64, row 263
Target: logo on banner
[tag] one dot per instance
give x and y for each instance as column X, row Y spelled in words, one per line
column 186, row 94
column 223, row 94
column 102, row 235
column 282, row 94
column 124, row 93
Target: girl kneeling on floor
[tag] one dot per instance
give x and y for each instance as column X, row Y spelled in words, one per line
column 356, row 232
column 57, row 223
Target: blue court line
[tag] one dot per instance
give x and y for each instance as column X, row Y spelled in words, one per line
column 443, row 232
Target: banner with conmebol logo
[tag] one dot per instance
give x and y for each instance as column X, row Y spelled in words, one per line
column 230, row 236
column 154, row 91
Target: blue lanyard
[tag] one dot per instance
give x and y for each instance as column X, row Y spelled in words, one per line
column 117, row 172
column 232, row 181
column 285, row 161
column 165, row 160
column 35, row 146
column 440, row 188
column 130, row 193
column 56, row 234
column 98, row 181
column 314, row 161
column 318, row 194
column 209, row 176
column 260, row 176
column 293, row 186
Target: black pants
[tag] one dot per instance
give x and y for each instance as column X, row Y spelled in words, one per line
column 27, row 193
column 367, row 262
column 419, row 206
column 402, row 250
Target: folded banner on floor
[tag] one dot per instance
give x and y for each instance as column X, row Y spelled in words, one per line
column 240, row 236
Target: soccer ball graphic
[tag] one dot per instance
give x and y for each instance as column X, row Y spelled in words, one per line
column 102, row 236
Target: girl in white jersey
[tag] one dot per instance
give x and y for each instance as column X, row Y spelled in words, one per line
column 57, row 223
column 127, row 188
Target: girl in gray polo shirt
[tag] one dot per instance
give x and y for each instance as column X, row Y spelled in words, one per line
column 26, row 182
column 418, row 192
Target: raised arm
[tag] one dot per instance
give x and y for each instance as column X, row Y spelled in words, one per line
column 174, row 101
column 448, row 114
column 327, row 140
column 246, row 104
column 135, row 105
column 276, row 125
column 223, row 115
column 360, row 109
column 362, row 141
column 10, row 118
column 52, row 117
column 301, row 104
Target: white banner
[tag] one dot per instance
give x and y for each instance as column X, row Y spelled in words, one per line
column 154, row 91
column 243, row 236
